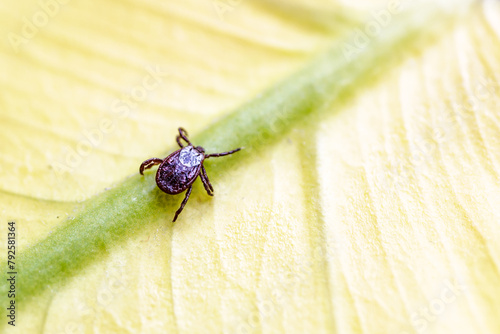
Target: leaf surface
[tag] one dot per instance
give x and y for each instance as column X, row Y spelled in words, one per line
column 364, row 201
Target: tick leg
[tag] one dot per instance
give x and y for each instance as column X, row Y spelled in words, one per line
column 149, row 163
column 182, row 134
column 178, row 139
column 221, row 154
column 188, row 193
column 206, row 181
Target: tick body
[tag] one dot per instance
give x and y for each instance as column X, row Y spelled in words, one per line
column 179, row 170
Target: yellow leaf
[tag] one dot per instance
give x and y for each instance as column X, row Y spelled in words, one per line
column 369, row 205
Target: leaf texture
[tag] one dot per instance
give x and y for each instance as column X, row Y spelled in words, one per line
column 365, row 200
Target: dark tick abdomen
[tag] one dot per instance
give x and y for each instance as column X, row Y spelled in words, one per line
column 173, row 177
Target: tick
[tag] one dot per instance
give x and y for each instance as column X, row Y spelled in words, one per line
column 179, row 170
